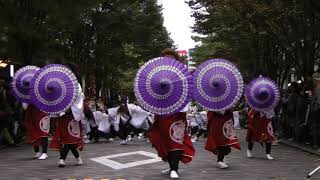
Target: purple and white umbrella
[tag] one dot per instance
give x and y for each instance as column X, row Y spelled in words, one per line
column 163, row 86
column 54, row 88
column 218, row 85
column 262, row 94
column 20, row 85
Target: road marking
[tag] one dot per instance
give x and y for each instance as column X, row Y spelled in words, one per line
column 106, row 160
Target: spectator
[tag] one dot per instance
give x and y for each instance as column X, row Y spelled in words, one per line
column 300, row 129
column 293, row 93
column 283, row 115
column 6, row 114
column 315, row 110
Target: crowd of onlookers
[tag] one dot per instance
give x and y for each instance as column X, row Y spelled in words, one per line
column 11, row 118
column 299, row 110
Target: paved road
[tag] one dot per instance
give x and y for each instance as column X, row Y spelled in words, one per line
column 290, row 163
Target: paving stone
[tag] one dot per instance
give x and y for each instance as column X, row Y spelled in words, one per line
column 290, row 163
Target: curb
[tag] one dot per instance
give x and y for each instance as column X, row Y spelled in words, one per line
column 299, row 146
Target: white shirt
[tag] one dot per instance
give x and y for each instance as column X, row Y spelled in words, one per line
column 77, row 107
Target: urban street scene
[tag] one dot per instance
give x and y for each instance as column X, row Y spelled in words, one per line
column 159, row 89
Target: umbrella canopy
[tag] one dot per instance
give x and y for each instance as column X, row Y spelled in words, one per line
column 163, row 86
column 262, row 94
column 54, row 88
column 218, row 85
column 20, row 85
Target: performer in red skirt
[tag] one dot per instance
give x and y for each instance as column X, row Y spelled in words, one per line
column 68, row 136
column 221, row 135
column 37, row 125
column 169, row 136
column 260, row 130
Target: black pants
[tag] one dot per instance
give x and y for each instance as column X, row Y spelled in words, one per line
column 222, row 152
column 200, row 132
column 268, row 147
column 133, row 131
column 174, row 158
column 122, row 133
column 65, row 150
column 197, row 130
column 315, row 125
column 105, row 135
column 94, row 133
column 44, row 144
column 194, row 130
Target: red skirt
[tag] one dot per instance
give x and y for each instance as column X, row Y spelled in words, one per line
column 259, row 128
column 68, row 131
column 169, row 133
column 37, row 124
column 221, row 132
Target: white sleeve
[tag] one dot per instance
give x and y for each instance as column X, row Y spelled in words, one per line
column 185, row 109
column 270, row 114
column 104, row 125
column 77, row 107
column 236, row 118
column 138, row 115
column 24, row 106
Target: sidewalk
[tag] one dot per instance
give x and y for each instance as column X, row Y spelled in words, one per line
column 303, row 147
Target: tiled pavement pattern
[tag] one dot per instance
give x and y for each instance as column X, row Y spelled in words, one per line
column 290, row 163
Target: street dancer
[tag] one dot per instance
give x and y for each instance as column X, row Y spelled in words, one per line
column 262, row 95
column 260, row 130
column 170, row 137
column 37, row 124
column 221, row 135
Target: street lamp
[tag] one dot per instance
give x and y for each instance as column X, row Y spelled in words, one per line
column 11, row 70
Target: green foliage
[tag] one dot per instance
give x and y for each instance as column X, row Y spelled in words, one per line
column 106, row 39
column 263, row 37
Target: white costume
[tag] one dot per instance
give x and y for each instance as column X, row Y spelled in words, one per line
column 77, row 107
column 202, row 120
column 147, row 122
column 114, row 119
column 139, row 117
column 236, row 118
column 197, row 119
column 102, row 121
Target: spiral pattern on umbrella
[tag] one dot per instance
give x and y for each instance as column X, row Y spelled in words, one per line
column 20, row 84
column 55, row 88
column 218, row 85
column 262, row 94
column 163, row 85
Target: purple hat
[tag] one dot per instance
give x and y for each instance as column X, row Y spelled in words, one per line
column 163, row 86
column 54, row 88
column 262, row 94
column 218, row 85
column 20, row 85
